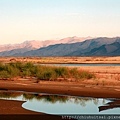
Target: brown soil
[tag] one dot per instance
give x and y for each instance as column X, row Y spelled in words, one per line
column 12, row 110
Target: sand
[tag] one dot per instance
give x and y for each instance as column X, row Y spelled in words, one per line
column 12, row 110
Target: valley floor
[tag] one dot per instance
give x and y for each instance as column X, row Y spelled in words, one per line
column 105, row 85
column 62, row 59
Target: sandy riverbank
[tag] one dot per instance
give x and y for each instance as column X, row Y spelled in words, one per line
column 12, row 110
column 84, row 88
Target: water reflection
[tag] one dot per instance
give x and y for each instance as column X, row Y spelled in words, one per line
column 56, row 98
column 8, row 95
column 59, row 104
column 46, row 98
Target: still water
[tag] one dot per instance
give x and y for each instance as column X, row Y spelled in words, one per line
column 62, row 104
column 85, row 64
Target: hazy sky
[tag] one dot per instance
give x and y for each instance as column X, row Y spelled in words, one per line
column 22, row 20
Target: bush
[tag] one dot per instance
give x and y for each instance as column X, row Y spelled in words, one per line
column 4, row 74
column 41, row 72
column 85, row 75
column 61, row 71
column 46, row 73
column 1, row 67
column 12, row 71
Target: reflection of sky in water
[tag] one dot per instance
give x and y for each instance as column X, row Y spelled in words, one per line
column 19, row 98
column 68, row 108
column 84, row 64
column 64, row 105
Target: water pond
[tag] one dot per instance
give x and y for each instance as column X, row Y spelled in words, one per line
column 62, row 104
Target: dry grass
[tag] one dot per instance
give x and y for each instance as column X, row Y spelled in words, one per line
column 105, row 75
column 62, row 59
column 41, row 72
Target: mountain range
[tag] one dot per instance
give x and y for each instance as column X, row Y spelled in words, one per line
column 71, row 46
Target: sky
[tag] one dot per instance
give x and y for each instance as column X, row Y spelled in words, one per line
column 22, row 20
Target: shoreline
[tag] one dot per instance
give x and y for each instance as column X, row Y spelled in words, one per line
column 62, row 60
column 63, row 88
column 13, row 109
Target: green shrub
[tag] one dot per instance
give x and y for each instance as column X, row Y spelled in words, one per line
column 61, row 71
column 86, row 75
column 4, row 74
column 12, row 71
column 26, row 73
column 1, row 67
column 41, row 72
column 45, row 73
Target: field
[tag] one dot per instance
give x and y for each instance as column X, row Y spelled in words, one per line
column 62, row 59
column 84, row 75
column 105, row 75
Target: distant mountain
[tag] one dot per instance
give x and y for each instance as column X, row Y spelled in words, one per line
column 106, row 50
column 11, row 49
column 93, row 47
column 27, row 45
column 72, row 46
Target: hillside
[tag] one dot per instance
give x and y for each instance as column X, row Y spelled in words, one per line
column 102, row 46
column 11, row 49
